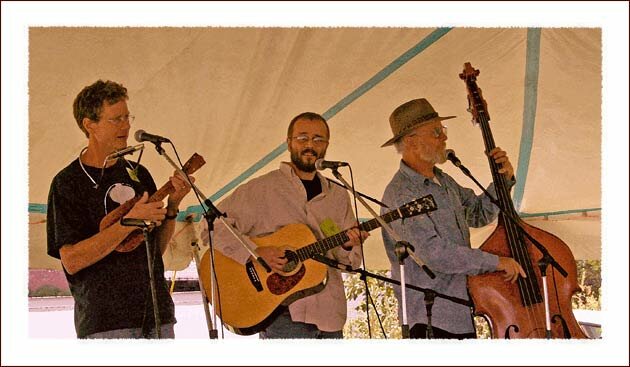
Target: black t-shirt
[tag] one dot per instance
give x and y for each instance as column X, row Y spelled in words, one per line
column 114, row 293
column 313, row 187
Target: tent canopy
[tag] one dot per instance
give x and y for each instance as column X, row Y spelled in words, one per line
column 229, row 93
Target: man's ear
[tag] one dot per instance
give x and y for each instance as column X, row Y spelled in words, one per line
column 88, row 124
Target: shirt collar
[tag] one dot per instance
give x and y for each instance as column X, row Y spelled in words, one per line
column 289, row 173
column 416, row 176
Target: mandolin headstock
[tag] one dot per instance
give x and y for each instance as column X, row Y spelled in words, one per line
column 193, row 164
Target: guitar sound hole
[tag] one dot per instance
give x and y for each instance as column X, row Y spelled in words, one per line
column 292, row 261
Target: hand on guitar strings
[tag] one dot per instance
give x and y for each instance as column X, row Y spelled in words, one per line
column 273, row 256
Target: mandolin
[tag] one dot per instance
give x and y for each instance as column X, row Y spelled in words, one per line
column 136, row 237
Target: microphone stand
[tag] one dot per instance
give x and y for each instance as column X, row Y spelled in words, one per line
column 210, row 215
column 546, row 259
column 401, row 251
column 212, row 332
column 146, row 227
column 429, row 294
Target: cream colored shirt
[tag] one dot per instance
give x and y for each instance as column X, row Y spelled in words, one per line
column 276, row 199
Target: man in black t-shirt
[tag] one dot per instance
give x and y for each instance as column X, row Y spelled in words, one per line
column 111, row 289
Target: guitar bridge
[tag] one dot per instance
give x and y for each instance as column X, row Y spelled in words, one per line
column 253, row 276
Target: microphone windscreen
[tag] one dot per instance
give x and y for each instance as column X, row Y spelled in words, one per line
column 319, row 164
column 138, row 135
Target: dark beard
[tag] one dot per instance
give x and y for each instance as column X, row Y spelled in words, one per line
column 301, row 165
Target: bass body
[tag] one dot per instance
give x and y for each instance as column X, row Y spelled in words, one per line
column 521, row 309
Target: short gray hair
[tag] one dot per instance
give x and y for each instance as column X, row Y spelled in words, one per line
column 400, row 145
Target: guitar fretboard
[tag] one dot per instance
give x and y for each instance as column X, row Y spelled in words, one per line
column 321, row 246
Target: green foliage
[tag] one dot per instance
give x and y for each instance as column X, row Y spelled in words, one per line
column 589, row 279
column 483, row 328
column 48, row 291
column 386, row 304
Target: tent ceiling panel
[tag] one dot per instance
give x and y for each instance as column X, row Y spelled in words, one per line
column 229, row 93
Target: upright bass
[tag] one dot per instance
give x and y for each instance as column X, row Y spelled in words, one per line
column 518, row 310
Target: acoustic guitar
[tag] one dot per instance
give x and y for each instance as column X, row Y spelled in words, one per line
column 250, row 297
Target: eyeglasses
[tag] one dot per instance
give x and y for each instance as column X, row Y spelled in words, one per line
column 120, row 119
column 436, row 132
column 303, row 139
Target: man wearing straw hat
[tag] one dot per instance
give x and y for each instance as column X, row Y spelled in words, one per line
column 441, row 239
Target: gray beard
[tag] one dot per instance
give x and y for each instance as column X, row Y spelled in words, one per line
column 437, row 158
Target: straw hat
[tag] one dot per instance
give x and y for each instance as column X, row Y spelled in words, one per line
column 410, row 115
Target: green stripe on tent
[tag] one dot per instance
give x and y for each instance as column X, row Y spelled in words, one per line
column 561, row 212
column 250, row 171
column 387, row 71
column 37, row 208
column 532, row 63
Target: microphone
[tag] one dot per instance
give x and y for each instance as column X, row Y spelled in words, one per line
column 125, row 151
column 142, row 135
column 450, row 155
column 321, row 164
column 133, row 222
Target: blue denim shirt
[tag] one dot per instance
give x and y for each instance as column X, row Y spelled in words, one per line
column 442, row 240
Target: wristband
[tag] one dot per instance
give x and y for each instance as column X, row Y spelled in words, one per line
column 171, row 216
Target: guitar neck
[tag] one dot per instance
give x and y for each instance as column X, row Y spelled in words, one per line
column 166, row 189
column 321, row 246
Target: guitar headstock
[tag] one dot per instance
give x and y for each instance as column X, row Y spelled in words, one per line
column 419, row 206
column 193, row 164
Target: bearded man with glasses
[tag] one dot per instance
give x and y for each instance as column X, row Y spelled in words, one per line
column 296, row 193
column 111, row 289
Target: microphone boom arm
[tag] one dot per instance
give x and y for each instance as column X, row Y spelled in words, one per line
column 385, row 226
column 215, row 213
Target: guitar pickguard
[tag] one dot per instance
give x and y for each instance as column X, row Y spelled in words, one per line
column 279, row 284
